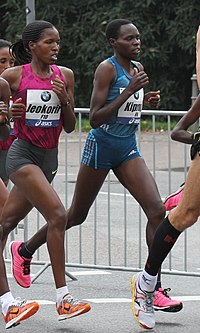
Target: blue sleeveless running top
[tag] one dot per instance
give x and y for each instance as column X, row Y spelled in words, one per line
column 127, row 117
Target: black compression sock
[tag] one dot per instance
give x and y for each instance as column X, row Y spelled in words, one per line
column 24, row 252
column 158, row 285
column 165, row 237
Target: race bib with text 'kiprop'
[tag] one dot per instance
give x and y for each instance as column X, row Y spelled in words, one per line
column 130, row 111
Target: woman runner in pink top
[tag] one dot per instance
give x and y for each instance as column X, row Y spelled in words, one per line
column 43, row 104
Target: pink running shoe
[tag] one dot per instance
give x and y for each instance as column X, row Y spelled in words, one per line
column 173, row 199
column 163, row 302
column 20, row 266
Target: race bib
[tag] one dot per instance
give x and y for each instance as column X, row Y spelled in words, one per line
column 130, row 111
column 43, row 108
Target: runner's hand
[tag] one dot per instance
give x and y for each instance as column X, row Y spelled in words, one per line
column 138, row 81
column 17, row 108
column 3, row 112
column 59, row 88
column 152, row 99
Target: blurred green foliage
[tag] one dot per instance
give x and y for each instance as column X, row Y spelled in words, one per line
column 168, row 34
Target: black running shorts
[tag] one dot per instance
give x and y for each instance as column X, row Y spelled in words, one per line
column 22, row 153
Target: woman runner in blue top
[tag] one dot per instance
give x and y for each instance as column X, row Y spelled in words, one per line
column 115, row 112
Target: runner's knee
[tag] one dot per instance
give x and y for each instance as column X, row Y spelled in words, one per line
column 8, row 224
column 157, row 213
column 75, row 218
column 59, row 220
column 183, row 219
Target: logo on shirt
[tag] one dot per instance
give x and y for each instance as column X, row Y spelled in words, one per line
column 136, row 95
column 45, row 96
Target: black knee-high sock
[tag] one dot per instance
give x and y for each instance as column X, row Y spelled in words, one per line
column 165, row 237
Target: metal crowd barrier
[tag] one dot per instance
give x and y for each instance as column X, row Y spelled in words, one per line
column 113, row 235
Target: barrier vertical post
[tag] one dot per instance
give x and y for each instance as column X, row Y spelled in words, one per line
column 30, row 11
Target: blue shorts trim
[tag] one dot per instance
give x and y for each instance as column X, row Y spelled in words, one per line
column 105, row 151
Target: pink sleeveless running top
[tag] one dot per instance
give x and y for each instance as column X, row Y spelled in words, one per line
column 41, row 123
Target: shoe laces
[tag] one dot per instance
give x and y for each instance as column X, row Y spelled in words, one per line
column 17, row 302
column 149, row 302
column 69, row 299
column 165, row 291
column 26, row 266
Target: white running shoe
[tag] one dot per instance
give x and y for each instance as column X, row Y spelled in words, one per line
column 142, row 304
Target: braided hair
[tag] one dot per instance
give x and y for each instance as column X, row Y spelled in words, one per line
column 32, row 32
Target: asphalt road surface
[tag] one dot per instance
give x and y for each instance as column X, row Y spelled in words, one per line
column 109, row 294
